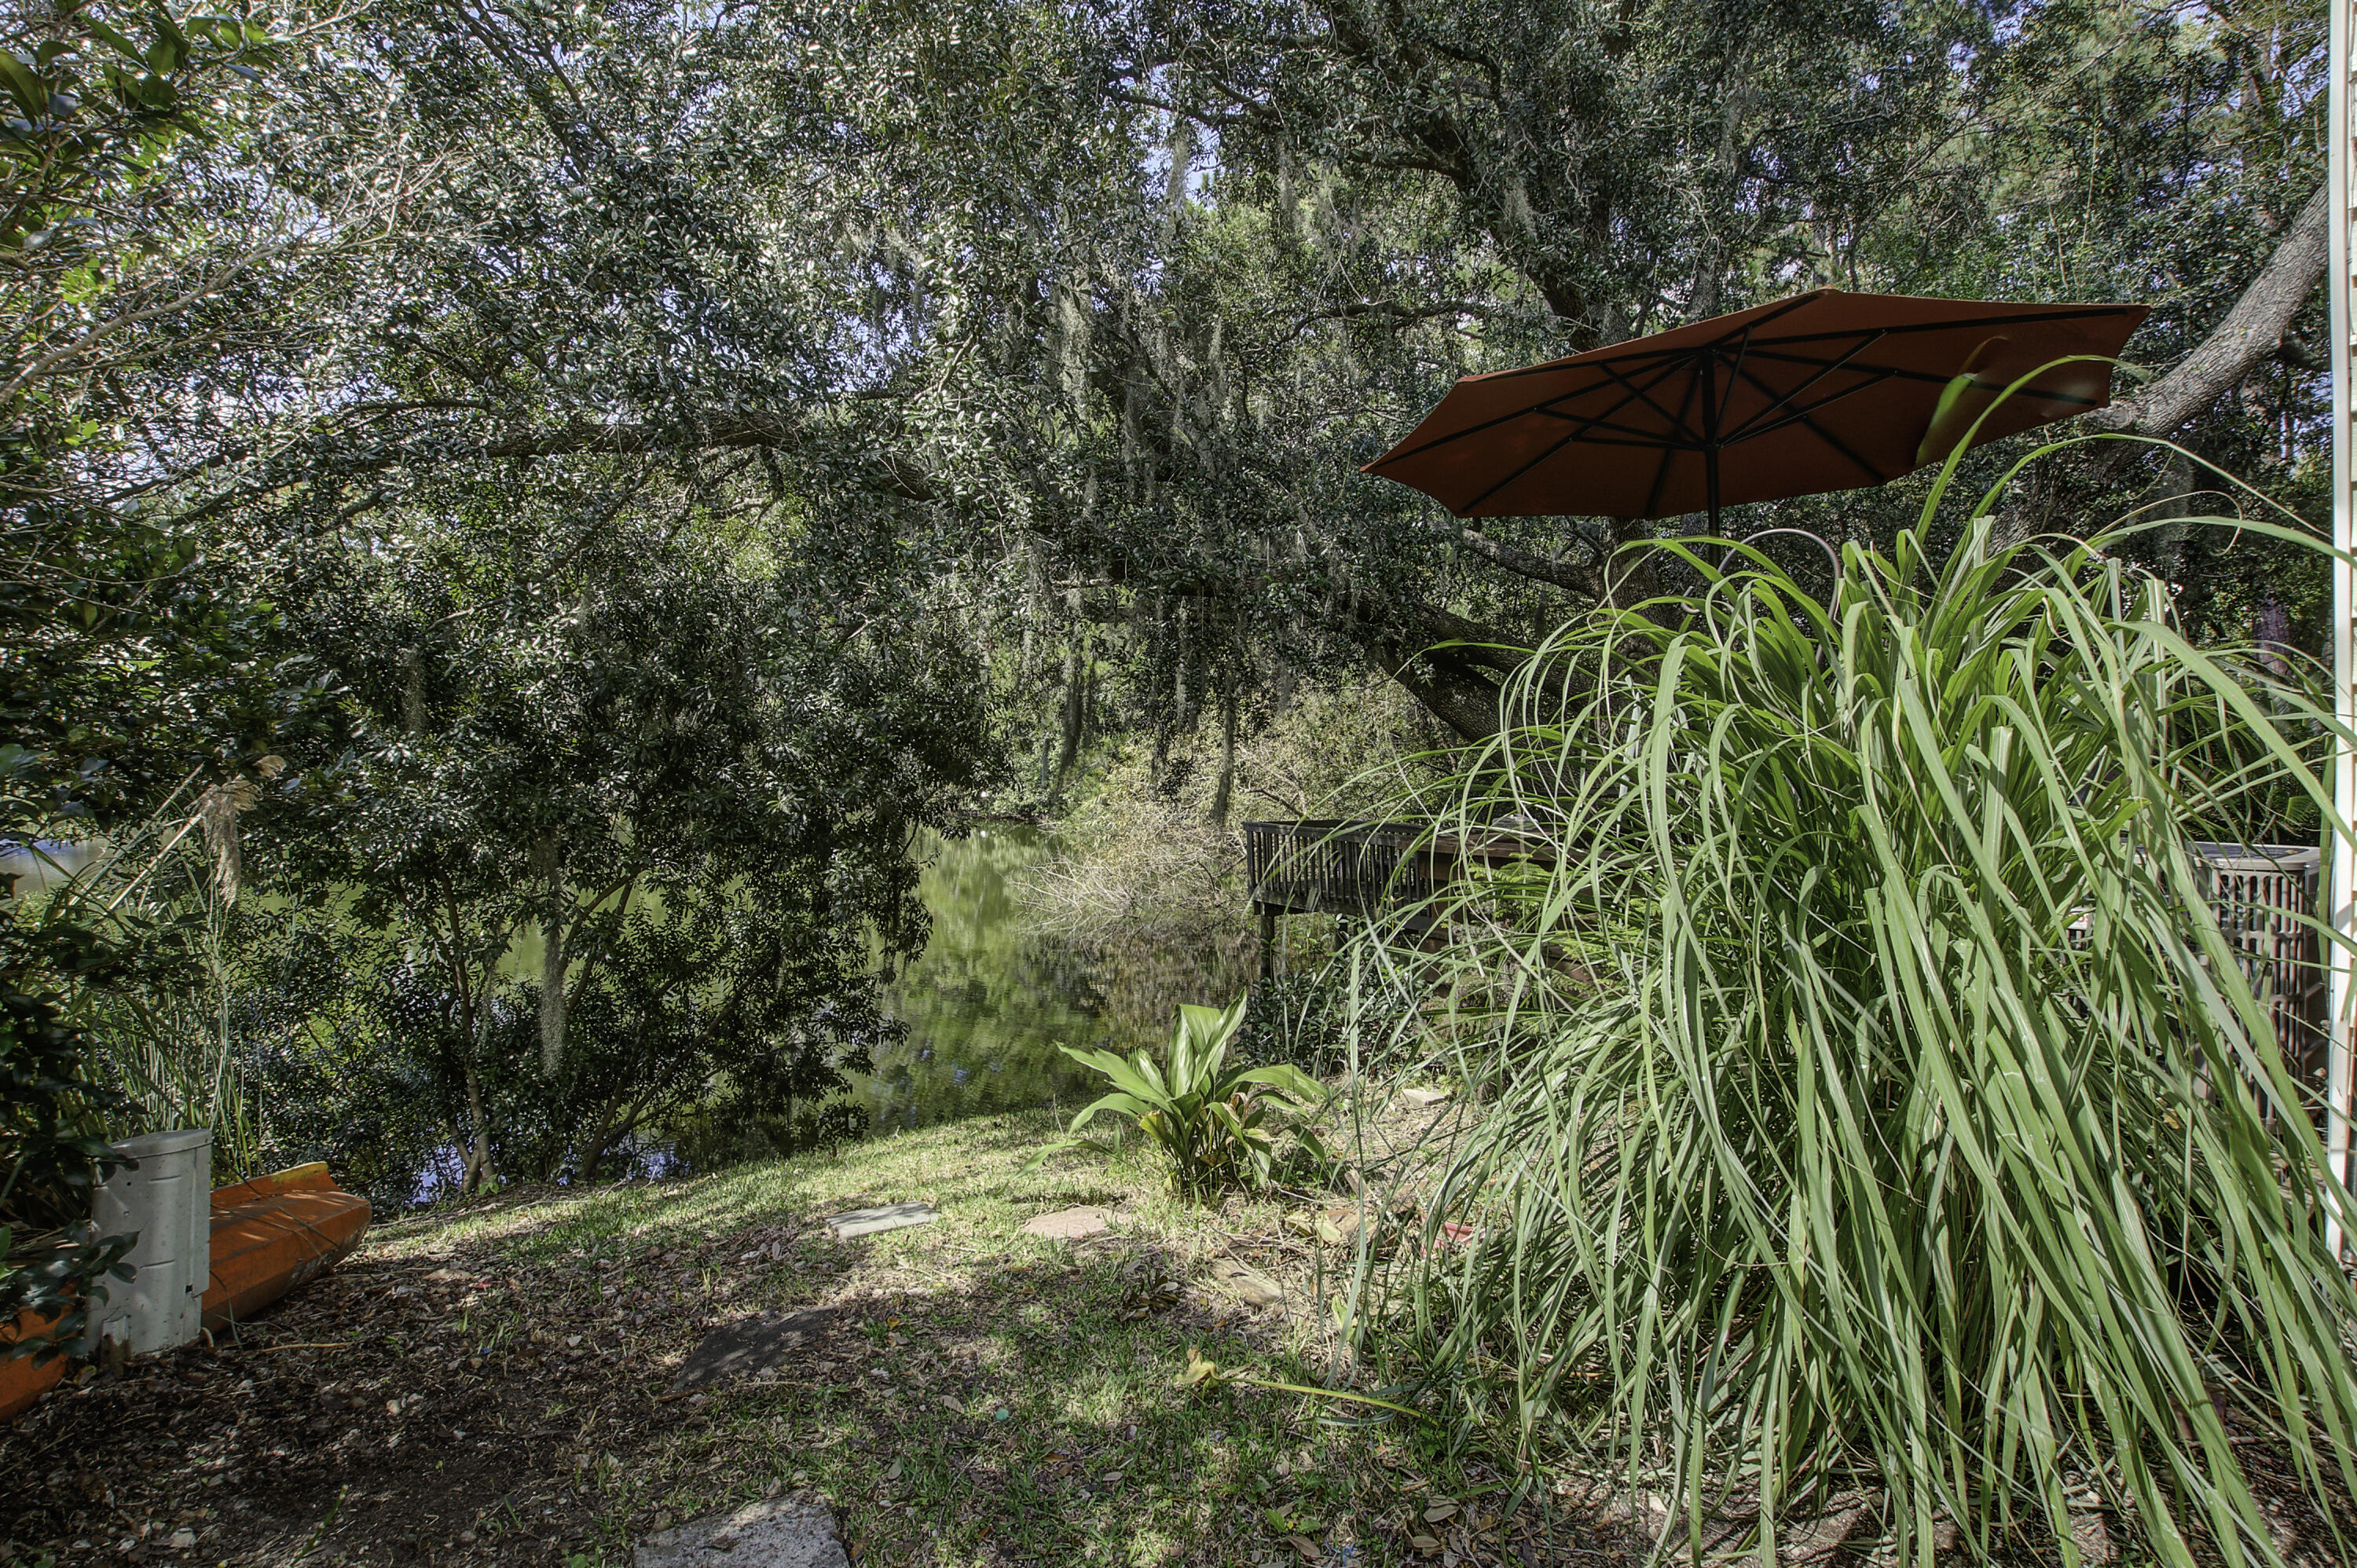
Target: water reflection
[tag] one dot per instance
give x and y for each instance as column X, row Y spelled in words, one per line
column 41, row 866
column 989, row 1000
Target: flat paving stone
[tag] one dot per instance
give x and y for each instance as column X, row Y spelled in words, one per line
column 752, row 1345
column 891, row 1217
column 1247, row 1283
column 1069, row 1224
column 777, row 1532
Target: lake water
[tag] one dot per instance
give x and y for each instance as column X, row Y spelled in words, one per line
column 39, row 867
column 991, row 997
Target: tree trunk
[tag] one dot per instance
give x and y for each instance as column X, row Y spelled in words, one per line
column 413, row 691
column 545, row 864
column 1227, row 754
column 479, row 1158
column 590, row 1152
column 2254, row 330
column 1074, row 700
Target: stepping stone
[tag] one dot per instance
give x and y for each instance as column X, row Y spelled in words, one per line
column 779, row 1533
column 1421, row 1098
column 752, row 1345
column 1247, row 1283
column 1069, row 1224
column 869, row 1221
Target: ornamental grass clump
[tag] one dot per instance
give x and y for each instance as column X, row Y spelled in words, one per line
column 1875, row 1102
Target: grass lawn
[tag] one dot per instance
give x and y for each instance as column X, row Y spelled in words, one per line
column 491, row 1382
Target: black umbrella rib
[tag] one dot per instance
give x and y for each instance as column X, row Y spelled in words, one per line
column 1801, row 416
column 1583, row 423
column 1579, row 431
column 1750, row 328
column 1787, row 399
column 1641, row 443
column 1581, row 361
column 1506, row 418
column 1466, row 509
column 1898, row 372
column 1587, row 423
column 1662, row 469
column 1677, row 420
column 1640, row 355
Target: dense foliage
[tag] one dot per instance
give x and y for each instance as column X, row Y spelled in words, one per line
column 118, row 671
column 517, row 517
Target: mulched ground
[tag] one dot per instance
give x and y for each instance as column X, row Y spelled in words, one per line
column 452, row 1406
column 431, row 1409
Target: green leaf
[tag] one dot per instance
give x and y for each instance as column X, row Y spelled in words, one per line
column 24, row 84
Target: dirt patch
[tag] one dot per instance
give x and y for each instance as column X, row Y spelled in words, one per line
column 446, row 1409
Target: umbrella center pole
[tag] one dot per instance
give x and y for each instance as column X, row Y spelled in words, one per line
column 1710, row 442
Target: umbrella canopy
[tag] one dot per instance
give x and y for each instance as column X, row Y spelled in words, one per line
column 1824, row 391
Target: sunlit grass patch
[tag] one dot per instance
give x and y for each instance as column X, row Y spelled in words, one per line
column 1024, row 1410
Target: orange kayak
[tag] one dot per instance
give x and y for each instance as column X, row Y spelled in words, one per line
column 274, row 1233
column 22, row 1382
column 270, row 1235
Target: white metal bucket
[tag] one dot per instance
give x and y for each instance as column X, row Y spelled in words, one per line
column 169, row 1201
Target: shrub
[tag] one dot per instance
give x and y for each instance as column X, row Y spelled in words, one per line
column 1876, row 1093
column 1221, row 1125
column 53, row 1149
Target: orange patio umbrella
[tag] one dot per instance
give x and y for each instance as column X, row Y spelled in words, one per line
column 1824, row 391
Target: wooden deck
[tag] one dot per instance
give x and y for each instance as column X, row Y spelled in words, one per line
column 1357, row 870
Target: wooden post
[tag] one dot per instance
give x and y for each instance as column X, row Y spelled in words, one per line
column 2341, row 905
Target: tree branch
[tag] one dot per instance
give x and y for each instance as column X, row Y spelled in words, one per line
column 1401, row 313
column 2254, row 330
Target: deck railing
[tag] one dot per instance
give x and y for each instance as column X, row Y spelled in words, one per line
column 2259, row 892
column 1336, row 867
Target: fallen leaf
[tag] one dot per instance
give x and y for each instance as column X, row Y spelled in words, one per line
column 1424, row 1543
column 1198, row 1369
column 1439, row 1512
column 1310, row 1551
